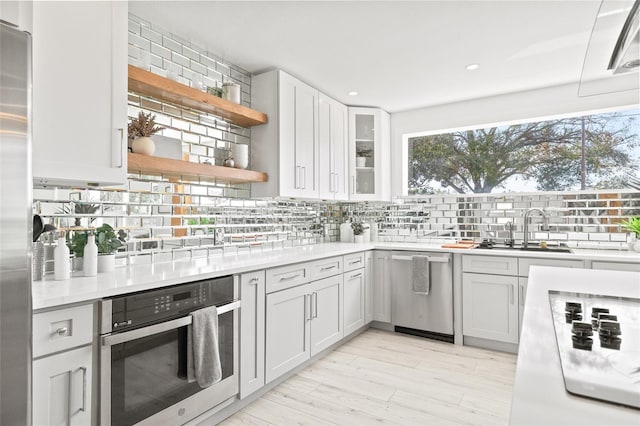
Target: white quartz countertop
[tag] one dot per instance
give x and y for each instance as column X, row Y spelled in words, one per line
column 539, row 395
column 49, row 293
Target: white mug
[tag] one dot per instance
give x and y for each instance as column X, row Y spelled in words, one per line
column 240, row 155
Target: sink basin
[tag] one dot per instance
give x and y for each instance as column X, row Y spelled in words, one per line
column 548, row 249
column 532, row 247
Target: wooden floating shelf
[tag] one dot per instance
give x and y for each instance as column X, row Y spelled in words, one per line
column 164, row 89
column 185, row 170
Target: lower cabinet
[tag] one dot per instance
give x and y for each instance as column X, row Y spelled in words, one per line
column 368, row 287
column 300, row 322
column 382, row 286
column 62, row 388
column 490, row 307
column 522, row 296
column 252, row 294
column 354, row 300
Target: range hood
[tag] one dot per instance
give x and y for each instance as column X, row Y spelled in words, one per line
column 612, row 59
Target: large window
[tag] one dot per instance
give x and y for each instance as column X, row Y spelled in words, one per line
column 600, row 151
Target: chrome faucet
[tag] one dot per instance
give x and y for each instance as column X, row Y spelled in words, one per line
column 545, row 224
column 510, row 242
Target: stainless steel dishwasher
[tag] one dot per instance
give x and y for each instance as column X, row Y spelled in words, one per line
column 427, row 315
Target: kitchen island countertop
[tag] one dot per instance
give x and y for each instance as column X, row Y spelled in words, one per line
column 539, row 395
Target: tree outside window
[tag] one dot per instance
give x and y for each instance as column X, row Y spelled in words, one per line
column 600, row 151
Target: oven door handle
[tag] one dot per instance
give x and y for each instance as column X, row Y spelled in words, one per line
column 117, row 338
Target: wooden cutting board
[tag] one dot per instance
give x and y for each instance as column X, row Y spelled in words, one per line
column 462, row 245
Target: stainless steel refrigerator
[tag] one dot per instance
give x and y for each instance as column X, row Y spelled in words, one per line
column 15, row 226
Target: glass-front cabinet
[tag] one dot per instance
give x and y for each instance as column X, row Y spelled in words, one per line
column 369, row 155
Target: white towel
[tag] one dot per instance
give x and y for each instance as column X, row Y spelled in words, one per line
column 420, row 274
column 203, row 355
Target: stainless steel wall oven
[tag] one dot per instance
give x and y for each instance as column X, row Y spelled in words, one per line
column 143, row 357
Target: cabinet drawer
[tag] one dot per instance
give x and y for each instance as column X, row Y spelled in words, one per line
column 353, row 261
column 62, row 329
column 525, row 263
column 490, row 265
column 616, row 266
column 287, row 276
column 324, row 268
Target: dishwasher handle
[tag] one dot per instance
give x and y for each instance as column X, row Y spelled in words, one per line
column 433, row 259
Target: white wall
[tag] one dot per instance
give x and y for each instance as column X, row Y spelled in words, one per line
column 512, row 107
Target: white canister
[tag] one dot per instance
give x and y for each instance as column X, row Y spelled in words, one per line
column 240, row 154
column 373, row 229
column 61, row 260
column 231, row 92
column 346, row 233
column 90, row 262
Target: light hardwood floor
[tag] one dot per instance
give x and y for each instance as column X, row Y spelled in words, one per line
column 388, row 378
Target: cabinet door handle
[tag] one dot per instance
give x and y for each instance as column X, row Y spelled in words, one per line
column 253, row 281
column 511, row 291
column 315, row 305
column 289, row 278
column 307, row 307
column 358, row 275
column 296, row 180
column 121, row 150
column 62, row 331
column 84, row 389
column 304, row 177
column 353, row 262
column 521, row 295
column 327, row 268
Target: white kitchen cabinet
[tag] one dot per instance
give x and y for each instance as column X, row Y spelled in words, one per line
column 333, row 153
column 288, row 337
column 490, row 307
column 616, row 266
column 382, row 286
column 252, row 329
column 354, row 300
column 301, row 322
column 369, row 155
column 522, row 298
column 80, row 93
column 62, row 388
column 326, row 313
column 286, row 148
column 368, row 287
column 17, row 12
column 526, row 262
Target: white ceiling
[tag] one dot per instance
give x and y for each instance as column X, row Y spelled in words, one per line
column 398, row 55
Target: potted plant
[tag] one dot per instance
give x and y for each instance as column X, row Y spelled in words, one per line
column 76, row 246
column 358, row 232
column 633, row 226
column 362, row 154
column 140, row 129
column 107, row 242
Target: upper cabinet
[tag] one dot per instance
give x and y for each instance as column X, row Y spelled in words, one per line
column 334, row 150
column 287, row 147
column 80, row 93
column 369, row 155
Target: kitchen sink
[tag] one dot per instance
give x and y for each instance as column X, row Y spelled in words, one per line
column 532, row 247
column 554, row 249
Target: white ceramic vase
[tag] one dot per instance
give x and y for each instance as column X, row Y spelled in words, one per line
column 143, row 145
column 359, row 239
column 361, row 161
column 240, row 155
column 631, row 241
column 106, row 262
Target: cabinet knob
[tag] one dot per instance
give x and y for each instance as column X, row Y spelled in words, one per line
column 62, row 331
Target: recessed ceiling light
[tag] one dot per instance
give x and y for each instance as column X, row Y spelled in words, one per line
column 472, row 67
column 353, row 93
